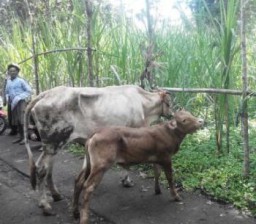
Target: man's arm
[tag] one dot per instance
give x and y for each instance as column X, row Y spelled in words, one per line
column 26, row 87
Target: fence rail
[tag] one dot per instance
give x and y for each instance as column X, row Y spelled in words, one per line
column 207, row 90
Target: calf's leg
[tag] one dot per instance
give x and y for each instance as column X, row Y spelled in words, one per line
column 89, row 186
column 79, row 182
column 167, row 167
column 98, row 163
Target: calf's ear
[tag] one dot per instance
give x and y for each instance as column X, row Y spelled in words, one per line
column 172, row 124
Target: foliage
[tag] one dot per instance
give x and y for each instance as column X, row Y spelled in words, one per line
column 76, row 149
column 201, row 9
column 198, row 166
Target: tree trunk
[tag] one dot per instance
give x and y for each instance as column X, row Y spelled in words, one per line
column 227, row 121
column 149, row 22
column 218, row 128
column 148, row 54
column 35, row 61
column 244, row 114
column 34, row 53
column 89, row 13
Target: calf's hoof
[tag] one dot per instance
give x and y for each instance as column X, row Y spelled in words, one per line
column 177, row 198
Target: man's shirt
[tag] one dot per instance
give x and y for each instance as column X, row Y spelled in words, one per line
column 17, row 89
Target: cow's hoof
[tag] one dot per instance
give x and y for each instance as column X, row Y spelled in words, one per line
column 76, row 214
column 48, row 212
column 57, row 197
column 158, row 191
column 127, row 183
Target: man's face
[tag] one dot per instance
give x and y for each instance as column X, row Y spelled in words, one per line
column 13, row 72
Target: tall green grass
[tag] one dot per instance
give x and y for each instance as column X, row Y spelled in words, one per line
column 190, row 55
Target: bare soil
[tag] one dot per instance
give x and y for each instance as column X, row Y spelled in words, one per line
column 110, row 204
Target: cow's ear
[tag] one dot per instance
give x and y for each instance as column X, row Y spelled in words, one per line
column 163, row 94
column 172, row 124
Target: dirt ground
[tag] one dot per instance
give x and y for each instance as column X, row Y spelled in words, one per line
column 111, row 203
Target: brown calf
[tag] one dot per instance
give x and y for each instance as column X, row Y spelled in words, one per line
column 127, row 146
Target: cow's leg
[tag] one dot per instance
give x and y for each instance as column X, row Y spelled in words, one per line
column 89, row 186
column 42, row 175
column 54, row 191
column 157, row 173
column 34, row 168
column 39, row 160
column 167, row 167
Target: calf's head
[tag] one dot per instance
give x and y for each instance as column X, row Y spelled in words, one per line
column 185, row 122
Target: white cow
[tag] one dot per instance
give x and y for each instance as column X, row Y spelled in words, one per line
column 66, row 114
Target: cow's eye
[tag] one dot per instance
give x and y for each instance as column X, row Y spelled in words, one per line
column 184, row 120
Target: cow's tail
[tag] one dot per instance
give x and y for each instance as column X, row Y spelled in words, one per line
column 32, row 166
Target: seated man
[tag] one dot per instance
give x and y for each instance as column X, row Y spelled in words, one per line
column 19, row 93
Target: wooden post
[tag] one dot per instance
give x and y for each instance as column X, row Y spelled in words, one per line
column 244, row 113
column 89, row 13
column 35, row 59
column 34, row 53
column 148, row 54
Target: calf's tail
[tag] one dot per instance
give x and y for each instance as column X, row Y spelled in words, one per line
column 32, row 166
column 87, row 164
column 88, row 167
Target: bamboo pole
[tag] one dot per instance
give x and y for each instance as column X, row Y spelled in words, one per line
column 56, row 51
column 244, row 113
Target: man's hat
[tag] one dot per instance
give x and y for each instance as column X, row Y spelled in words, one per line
column 13, row 65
